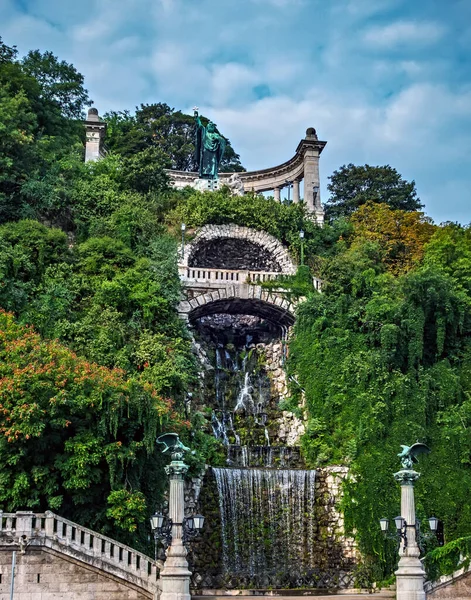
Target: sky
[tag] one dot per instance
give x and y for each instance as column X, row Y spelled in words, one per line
column 382, row 81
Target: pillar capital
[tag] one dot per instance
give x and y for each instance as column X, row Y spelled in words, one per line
column 406, row 476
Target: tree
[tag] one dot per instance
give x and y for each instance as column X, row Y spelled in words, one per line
column 351, row 186
column 61, row 84
column 400, row 235
column 74, row 436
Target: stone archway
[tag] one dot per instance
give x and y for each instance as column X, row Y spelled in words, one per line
column 236, row 248
column 240, row 299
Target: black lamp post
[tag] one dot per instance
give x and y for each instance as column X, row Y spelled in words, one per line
column 301, row 237
column 162, row 528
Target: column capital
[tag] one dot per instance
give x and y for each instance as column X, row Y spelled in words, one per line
column 406, row 476
column 176, row 469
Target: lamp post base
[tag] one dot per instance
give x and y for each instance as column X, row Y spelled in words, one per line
column 410, row 578
column 175, row 576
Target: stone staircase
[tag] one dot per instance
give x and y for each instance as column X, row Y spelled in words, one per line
column 27, row 531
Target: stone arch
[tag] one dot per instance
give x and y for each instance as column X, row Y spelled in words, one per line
column 240, row 299
column 263, row 251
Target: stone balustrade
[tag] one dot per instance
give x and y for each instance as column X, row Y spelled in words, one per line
column 227, row 276
column 223, row 276
column 24, row 529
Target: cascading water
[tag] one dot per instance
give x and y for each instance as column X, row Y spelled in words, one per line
column 266, row 508
column 267, row 518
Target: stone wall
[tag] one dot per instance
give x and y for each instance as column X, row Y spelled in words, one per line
column 43, row 574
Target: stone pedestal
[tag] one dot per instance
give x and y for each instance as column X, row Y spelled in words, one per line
column 410, row 575
column 175, row 576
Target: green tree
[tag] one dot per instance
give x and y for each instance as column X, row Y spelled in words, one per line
column 60, row 83
column 351, row 186
column 74, row 436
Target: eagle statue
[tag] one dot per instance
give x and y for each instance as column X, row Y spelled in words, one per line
column 409, row 454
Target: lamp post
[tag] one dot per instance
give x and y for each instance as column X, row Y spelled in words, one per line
column 183, row 228
column 410, row 574
column 301, row 237
column 315, row 192
column 175, row 530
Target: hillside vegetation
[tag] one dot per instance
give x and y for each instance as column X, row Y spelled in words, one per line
column 94, row 361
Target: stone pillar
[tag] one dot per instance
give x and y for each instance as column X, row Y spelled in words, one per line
column 95, row 133
column 277, row 194
column 296, row 191
column 310, row 148
column 410, row 575
column 175, row 576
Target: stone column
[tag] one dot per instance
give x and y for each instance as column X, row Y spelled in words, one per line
column 296, row 191
column 277, row 194
column 410, row 575
column 175, row 576
column 95, row 133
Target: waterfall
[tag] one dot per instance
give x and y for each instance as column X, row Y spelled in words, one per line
column 267, row 520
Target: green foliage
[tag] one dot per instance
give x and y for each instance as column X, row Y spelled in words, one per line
column 70, row 431
column 352, row 186
column 61, row 84
column 448, row 559
column 385, row 361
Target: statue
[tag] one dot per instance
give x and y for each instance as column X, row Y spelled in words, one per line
column 210, row 146
column 171, row 442
column 409, row 454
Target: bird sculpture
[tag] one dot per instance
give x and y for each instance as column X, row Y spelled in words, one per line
column 409, row 454
column 171, row 442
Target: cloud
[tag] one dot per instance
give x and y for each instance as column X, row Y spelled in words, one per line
column 404, row 32
column 383, row 82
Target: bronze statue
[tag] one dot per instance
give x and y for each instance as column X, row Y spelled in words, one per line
column 409, row 454
column 210, row 146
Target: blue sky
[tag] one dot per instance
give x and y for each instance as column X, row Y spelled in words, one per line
column 382, row 81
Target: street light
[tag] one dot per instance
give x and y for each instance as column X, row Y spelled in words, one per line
column 183, row 228
column 162, row 529
column 301, row 237
column 384, row 524
column 433, row 524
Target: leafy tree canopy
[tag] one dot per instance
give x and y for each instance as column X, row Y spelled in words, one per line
column 352, row 186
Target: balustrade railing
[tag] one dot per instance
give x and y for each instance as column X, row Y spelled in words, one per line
column 231, row 276
column 24, row 528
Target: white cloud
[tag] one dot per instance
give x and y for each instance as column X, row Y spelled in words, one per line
column 404, row 32
column 318, row 65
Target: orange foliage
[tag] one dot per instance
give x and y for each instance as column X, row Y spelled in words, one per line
column 400, row 235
